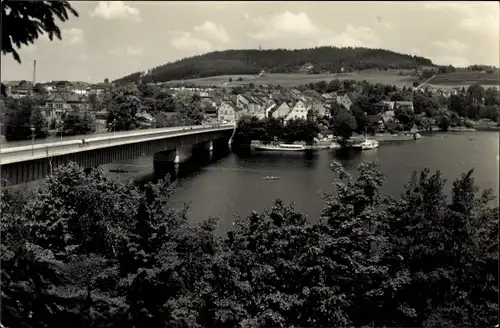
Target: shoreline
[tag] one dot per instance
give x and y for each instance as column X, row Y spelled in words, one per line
column 325, row 144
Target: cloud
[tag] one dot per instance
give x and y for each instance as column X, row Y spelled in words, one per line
column 116, row 10
column 288, row 25
column 213, row 31
column 193, row 41
column 481, row 17
column 351, row 36
column 450, row 45
column 186, row 41
column 74, row 36
column 284, row 24
column 134, row 51
column 113, row 52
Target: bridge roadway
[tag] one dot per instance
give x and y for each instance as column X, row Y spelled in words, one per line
column 11, row 144
column 26, row 161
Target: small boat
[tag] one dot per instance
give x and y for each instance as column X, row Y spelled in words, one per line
column 118, row 171
column 417, row 136
column 367, row 144
column 271, row 178
column 281, row 147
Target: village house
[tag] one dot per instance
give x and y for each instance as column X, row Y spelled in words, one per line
column 250, row 105
column 321, row 109
column 100, row 88
column 298, row 111
column 19, row 91
column 403, row 105
column 329, row 96
column 386, row 104
column 344, row 100
column 228, row 111
column 306, row 68
column 277, row 97
column 81, row 91
column 59, row 103
column 313, row 95
column 377, row 121
column 242, row 102
column 278, row 110
column 294, row 93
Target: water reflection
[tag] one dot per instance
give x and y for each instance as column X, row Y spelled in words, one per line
column 192, row 167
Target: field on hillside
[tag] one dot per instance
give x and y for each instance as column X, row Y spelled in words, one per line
column 465, row 78
column 295, row 79
column 444, row 81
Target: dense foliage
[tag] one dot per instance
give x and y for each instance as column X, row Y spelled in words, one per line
column 87, row 251
column 125, row 104
column 252, row 61
column 23, row 116
column 459, row 109
column 25, row 22
column 74, row 123
column 271, row 129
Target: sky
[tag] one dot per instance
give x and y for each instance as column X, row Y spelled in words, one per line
column 111, row 39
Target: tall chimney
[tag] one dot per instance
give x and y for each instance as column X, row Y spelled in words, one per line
column 34, row 72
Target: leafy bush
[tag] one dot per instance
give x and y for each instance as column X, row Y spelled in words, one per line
column 22, row 116
column 85, row 250
column 74, row 123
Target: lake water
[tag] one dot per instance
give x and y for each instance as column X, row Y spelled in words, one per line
column 233, row 184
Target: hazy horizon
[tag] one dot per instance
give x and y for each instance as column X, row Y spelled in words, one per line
column 141, row 35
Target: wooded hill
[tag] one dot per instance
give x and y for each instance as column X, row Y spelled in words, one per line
column 252, row 61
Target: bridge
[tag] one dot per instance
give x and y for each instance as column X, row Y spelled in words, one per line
column 33, row 160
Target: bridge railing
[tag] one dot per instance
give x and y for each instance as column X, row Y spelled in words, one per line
column 24, row 153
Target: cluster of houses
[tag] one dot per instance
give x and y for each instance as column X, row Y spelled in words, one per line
column 293, row 104
column 284, row 104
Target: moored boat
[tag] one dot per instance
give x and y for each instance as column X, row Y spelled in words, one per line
column 367, row 144
column 335, row 145
column 281, row 147
column 271, row 178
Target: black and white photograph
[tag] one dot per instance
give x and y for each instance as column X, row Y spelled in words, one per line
column 249, row 164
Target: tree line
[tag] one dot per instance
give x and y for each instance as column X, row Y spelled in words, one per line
column 363, row 117
column 252, row 61
column 112, row 254
column 123, row 105
column 473, row 103
column 250, row 128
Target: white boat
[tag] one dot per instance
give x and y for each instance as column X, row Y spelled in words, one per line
column 271, row 178
column 281, row 147
column 367, row 144
column 335, row 145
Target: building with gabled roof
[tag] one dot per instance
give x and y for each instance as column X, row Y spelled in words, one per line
column 228, row 111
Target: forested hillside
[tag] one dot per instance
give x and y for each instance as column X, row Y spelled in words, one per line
column 230, row 62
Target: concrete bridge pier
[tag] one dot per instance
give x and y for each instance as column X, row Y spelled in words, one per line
column 184, row 153
column 174, row 156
